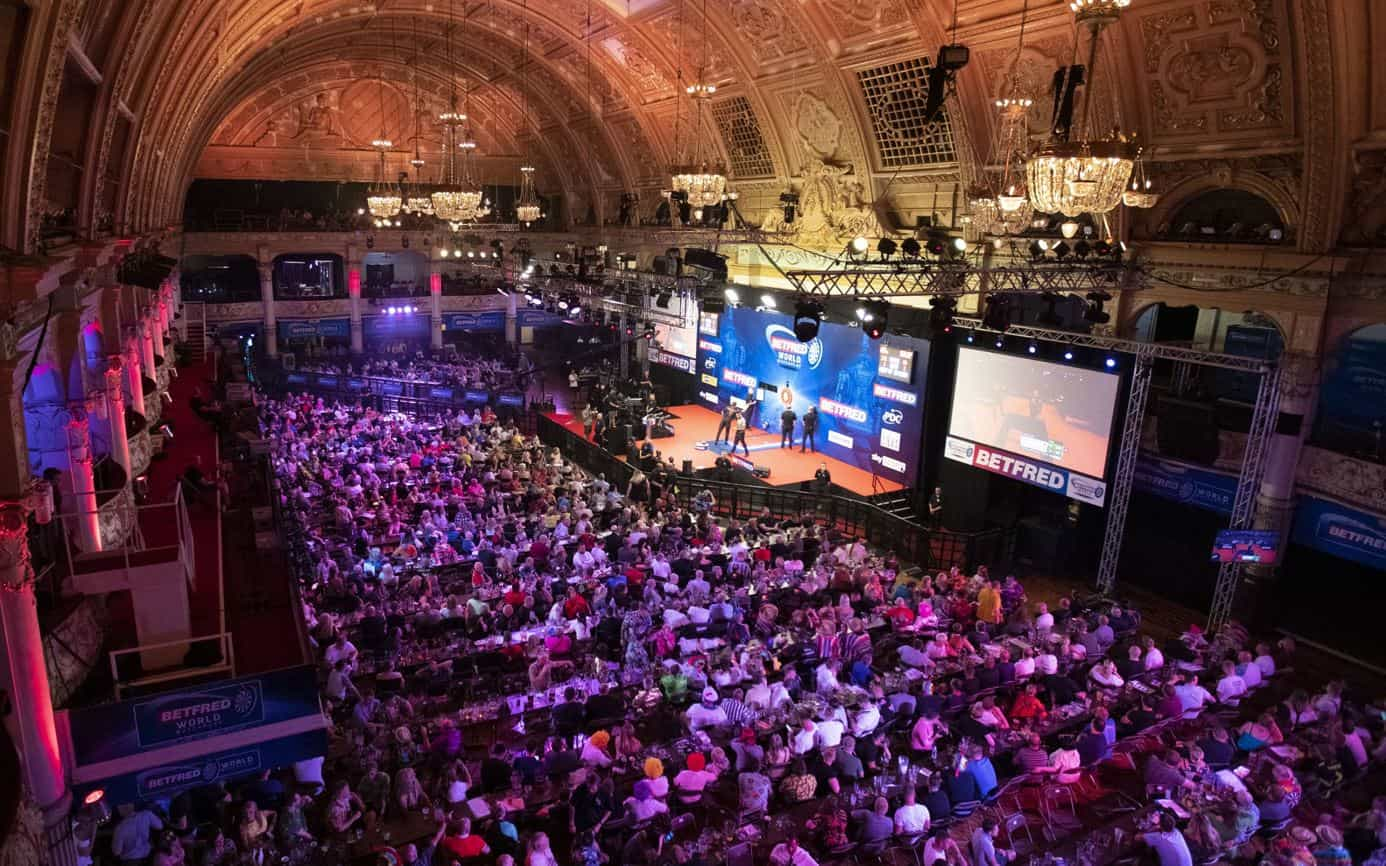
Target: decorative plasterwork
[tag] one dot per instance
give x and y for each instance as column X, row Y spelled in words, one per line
column 767, row 29
column 1215, row 67
column 37, row 205
column 832, row 207
column 1276, row 178
column 1356, row 482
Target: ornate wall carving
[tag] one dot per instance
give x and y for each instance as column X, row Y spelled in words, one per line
column 37, row 205
column 1354, row 481
column 768, row 30
column 832, row 207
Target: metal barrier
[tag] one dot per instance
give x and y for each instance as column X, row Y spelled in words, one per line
column 134, row 520
column 930, row 549
column 226, row 665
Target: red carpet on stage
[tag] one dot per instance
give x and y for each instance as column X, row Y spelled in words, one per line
column 695, row 424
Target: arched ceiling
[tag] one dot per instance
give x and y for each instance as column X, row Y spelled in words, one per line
column 1266, row 94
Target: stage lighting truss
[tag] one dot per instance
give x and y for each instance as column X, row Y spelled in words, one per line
column 918, row 278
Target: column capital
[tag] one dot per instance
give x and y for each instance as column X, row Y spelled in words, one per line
column 78, row 433
column 15, row 571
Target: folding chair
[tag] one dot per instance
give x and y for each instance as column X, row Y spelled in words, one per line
column 1013, row 825
column 1059, row 809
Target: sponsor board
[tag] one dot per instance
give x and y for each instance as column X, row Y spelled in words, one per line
column 709, row 363
column 710, row 381
column 890, row 439
column 897, row 395
column 839, row 439
column 708, row 397
column 841, row 410
column 669, row 359
column 736, row 377
column 1186, row 485
column 888, row 462
column 1072, row 485
column 709, row 346
column 790, row 352
column 1341, row 531
column 893, row 417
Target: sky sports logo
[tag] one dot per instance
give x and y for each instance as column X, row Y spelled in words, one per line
column 710, row 398
column 842, row 410
column 898, row 395
column 839, row 439
column 887, row 462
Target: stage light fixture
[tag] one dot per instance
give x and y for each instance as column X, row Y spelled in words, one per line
column 1061, row 250
column 1093, row 312
column 1102, row 248
column 998, row 312
column 1081, row 249
column 1038, row 249
column 1069, row 229
column 941, row 313
column 1111, row 363
column 1033, row 348
column 1000, row 343
column 662, row 300
column 732, row 295
column 859, row 245
column 767, row 301
column 808, row 315
column 877, row 317
column 562, row 305
column 971, row 337
column 936, row 242
column 910, row 248
column 960, row 244
column 886, row 247
column 1068, row 356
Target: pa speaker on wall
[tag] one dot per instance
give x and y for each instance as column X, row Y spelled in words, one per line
column 714, row 264
column 1187, row 430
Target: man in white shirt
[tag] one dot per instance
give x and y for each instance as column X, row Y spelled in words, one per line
column 788, row 853
column 1154, row 659
column 911, row 819
column 341, row 650
column 1248, row 670
column 867, row 719
column 1046, row 663
column 673, row 617
column 1231, row 687
column 803, row 740
column 1265, row 661
column 825, row 678
column 707, row 714
column 1044, row 620
column 828, row 734
column 1192, row 697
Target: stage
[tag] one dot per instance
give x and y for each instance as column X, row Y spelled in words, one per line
column 695, row 425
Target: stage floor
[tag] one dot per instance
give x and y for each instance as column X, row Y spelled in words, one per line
column 696, row 424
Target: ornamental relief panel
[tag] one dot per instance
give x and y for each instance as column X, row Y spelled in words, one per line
column 1215, row 67
column 858, row 18
column 766, row 30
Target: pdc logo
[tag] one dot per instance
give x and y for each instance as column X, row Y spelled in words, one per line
column 893, row 417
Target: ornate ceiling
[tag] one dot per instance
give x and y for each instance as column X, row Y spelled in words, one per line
column 142, row 96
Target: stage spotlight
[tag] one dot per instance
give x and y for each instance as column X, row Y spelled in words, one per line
column 562, row 304
column 960, row 245
column 1093, row 312
column 1061, row 250
column 1081, row 249
column 1068, row 356
column 1111, row 363
column 1033, row 348
column 936, row 242
column 767, row 301
column 910, row 248
column 886, row 247
column 877, row 316
column 998, row 313
column 1038, row 248
column 1000, row 343
column 859, row 245
column 971, row 337
column 807, row 317
column 1069, row 229
column 941, row 314
column 1102, row 248
column 732, row 295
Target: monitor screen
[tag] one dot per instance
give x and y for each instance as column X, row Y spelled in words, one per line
column 708, row 324
column 440, row 393
column 1246, row 545
column 1057, row 414
column 677, row 340
column 357, row 384
column 477, row 396
column 390, row 387
column 896, row 363
column 511, row 400
column 327, row 381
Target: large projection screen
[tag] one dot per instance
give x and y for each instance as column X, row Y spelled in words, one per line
column 1057, row 414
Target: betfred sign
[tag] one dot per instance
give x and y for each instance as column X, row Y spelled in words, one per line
column 1090, row 490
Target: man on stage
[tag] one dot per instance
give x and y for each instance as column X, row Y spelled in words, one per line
column 724, row 426
column 810, row 428
column 787, row 419
column 740, row 425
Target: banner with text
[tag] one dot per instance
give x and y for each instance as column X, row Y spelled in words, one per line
column 1341, row 531
column 1187, row 485
column 998, row 462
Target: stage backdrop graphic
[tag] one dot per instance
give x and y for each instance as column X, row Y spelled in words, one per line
column 1036, row 421
column 864, row 418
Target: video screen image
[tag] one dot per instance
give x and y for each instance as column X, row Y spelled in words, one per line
column 896, row 363
column 1058, row 414
column 1246, row 545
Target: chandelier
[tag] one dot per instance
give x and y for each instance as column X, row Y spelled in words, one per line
column 527, row 208
column 1141, row 193
column 418, row 201
column 383, row 199
column 702, row 183
column 1082, row 175
column 1001, row 205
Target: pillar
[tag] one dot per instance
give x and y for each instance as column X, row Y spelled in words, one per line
column 27, row 672
column 1275, row 501
column 358, row 341
column 512, row 320
column 115, row 413
column 79, row 458
column 435, row 305
column 146, row 334
column 134, row 378
column 267, row 300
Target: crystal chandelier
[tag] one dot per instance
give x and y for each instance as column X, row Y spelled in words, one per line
column 1141, row 193
column 1078, row 176
column 383, row 199
column 527, row 209
column 471, row 204
column 1001, row 205
column 418, row 201
column 703, row 184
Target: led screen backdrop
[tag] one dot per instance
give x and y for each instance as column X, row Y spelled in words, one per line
column 864, row 418
column 1036, row 421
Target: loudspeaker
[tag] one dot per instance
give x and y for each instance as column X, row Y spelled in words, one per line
column 618, row 438
column 687, row 467
column 1186, row 430
column 714, row 263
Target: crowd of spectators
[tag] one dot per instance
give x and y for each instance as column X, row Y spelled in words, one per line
column 525, row 664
